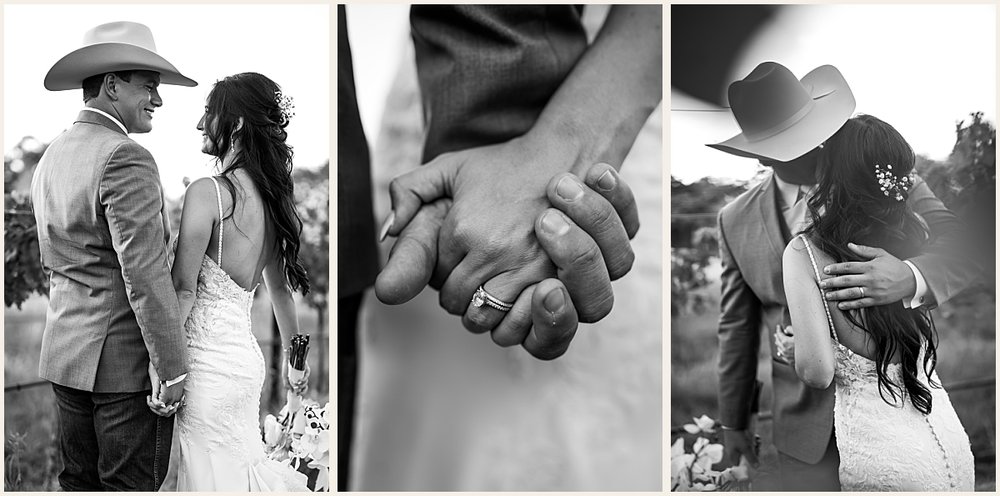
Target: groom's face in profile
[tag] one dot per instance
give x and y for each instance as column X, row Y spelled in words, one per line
column 137, row 99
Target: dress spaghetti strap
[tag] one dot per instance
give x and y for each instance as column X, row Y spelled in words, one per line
column 826, row 307
column 218, row 195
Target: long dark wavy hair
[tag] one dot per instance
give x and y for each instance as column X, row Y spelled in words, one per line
column 849, row 206
column 263, row 154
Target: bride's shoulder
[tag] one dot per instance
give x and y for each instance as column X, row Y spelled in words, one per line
column 797, row 245
column 796, row 255
column 201, row 193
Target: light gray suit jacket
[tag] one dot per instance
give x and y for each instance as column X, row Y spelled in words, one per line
column 103, row 233
column 752, row 238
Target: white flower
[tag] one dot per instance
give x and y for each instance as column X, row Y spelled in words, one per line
column 698, row 486
column 677, row 448
column 740, row 472
column 272, row 431
column 702, row 424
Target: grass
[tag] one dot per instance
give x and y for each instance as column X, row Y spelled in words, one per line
column 31, row 457
column 967, row 350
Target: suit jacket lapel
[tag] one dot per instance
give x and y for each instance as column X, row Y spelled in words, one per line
column 770, row 212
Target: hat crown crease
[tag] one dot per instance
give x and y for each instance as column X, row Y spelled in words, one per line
column 768, row 100
column 121, row 32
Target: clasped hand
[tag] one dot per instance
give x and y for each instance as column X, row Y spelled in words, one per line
column 485, row 217
column 164, row 401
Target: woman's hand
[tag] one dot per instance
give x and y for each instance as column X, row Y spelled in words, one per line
column 296, row 381
column 587, row 238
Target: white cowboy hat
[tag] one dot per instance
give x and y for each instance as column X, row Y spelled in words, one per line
column 783, row 118
column 115, row 46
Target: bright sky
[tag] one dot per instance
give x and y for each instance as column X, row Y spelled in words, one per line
column 920, row 68
column 288, row 43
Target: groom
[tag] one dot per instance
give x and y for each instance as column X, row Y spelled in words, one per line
column 113, row 322
column 784, row 122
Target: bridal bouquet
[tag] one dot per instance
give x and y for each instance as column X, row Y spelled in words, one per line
column 300, row 434
column 692, row 470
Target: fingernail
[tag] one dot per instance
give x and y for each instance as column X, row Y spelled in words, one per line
column 826, row 270
column 828, row 295
column 607, row 181
column 386, row 225
column 554, row 223
column 568, row 189
column 554, row 301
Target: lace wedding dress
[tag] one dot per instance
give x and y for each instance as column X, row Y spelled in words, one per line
column 217, row 444
column 887, row 447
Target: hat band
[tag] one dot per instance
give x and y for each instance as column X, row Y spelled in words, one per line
column 781, row 126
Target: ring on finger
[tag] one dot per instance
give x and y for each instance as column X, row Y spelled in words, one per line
column 862, row 289
column 482, row 297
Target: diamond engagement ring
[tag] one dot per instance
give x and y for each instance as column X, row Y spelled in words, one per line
column 481, row 297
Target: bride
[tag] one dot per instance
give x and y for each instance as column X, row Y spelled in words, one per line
column 895, row 427
column 237, row 229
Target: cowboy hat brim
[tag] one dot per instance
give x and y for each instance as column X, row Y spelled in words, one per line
column 833, row 105
column 100, row 58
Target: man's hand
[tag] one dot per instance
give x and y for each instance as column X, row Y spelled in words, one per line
column 739, row 442
column 784, row 339
column 587, row 237
column 881, row 280
column 169, row 399
column 486, row 238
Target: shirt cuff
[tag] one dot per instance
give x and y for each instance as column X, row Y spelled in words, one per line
column 920, row 296
column 173, row 381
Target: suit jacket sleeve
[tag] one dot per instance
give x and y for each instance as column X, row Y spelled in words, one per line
column 739, row 340
column 946, row 266
column 132, row 200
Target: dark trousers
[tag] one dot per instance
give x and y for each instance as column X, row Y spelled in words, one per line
column 797, row 475
column 347, row 381
column 111, row 441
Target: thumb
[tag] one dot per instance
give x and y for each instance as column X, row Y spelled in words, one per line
column 414, row 256
column 867, row 252
column 418, row 187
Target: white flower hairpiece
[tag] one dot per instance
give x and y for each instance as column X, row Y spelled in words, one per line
column 893, row 186
column 287, row 106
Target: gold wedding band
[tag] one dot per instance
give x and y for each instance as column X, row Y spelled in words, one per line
column 862, row 289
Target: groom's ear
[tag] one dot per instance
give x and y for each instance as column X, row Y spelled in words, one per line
column 108, row 85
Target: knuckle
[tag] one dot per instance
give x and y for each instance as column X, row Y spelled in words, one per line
column 588, row 257
column 396, row 187
column 622, row 265
column 477, row 322
column 597, row 310
column 451, row 304
column 549, row 352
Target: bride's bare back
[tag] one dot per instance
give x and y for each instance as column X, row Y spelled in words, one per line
column 247, row 238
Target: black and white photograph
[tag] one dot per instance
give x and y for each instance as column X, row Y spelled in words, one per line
column 833, row 252
column 500, row 300
column 166, row 247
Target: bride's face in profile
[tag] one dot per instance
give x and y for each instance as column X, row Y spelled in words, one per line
column 209, row 137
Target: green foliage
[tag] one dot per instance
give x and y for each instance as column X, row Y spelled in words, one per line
column 23, row 273
column 966, row 183
column 312, row 195
column 694, row 237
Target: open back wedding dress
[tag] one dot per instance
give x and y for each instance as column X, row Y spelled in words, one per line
column 887, row 447
column 217, row 443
